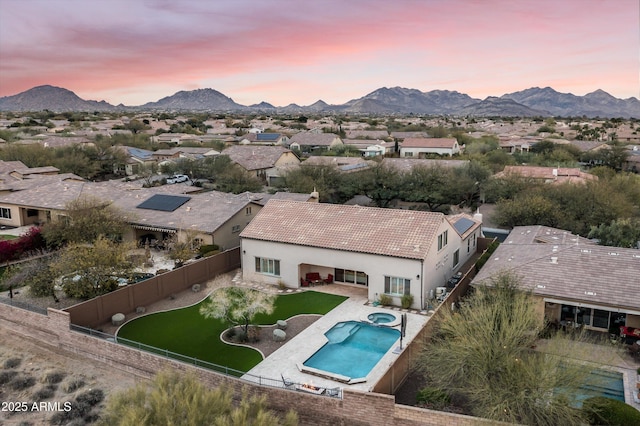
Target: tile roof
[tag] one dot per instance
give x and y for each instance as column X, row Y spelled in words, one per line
column 255, row 157
column 313, row 139
column 428, row 143
column 389, row 232
column 567, row 267
column 407, row 164
column 559, row 174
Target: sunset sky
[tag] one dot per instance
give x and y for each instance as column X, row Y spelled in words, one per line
column 300, row 51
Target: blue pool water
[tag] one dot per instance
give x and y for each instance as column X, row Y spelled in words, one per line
column 381, row 318
column 602, row 383
column 353, row 349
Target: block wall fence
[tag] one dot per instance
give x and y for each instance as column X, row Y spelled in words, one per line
column 356, row 408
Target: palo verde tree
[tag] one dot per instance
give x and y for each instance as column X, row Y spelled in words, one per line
column 90, row 270
column 481, row 354
column 174, row 398
column 237, row 306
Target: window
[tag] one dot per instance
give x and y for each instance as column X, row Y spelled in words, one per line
column 408, row 154
column 247, row 210
column 235, row 228
column 32, row 212
column 268, row 266
column 5, row 213
column 443, row 239
column 468, row 246
column 396, row 285
column 600, row 318
column 474, row 239
column 456, row 258
column 350, row 276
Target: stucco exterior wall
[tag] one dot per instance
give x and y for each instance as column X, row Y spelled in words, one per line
column 295, row 261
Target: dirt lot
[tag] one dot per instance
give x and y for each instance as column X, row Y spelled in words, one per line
column 46, row 375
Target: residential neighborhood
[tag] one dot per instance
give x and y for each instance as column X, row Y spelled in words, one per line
column 387, row 229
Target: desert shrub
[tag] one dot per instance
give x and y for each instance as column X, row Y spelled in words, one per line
column 91, row 397
column 486, row 255
column 64, row 417
column 207, row 249
column 610, row 412
column 385, row 300
column 22, row 381
column 12, row 362
column 73, row 385
column 7, row 376
column 53, row 377
column 433, row 398
column 406, row 301
column 44, row 393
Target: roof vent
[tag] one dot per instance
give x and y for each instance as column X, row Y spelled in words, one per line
column 554, row 260
column 554, row 249
column 590, row 293
column 613, row 253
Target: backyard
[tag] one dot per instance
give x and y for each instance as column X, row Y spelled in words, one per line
column 186, row 332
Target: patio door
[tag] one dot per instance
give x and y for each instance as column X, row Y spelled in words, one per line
column 351, row 277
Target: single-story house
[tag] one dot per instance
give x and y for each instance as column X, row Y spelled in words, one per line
column 312, row 141
column 135, row 158
column 264, row 139
column 386, row 251
column 371, row 148
column 547, row 174
column 405, row 165
column 342, row 164
column 415, row 147
column 263, row 161
column 574, row 281
column 172, row 154
column 213, row 217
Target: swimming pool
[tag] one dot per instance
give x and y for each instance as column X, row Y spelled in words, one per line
column 353, row 349
column 602, row 383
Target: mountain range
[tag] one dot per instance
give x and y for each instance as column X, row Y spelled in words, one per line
column 533, row 102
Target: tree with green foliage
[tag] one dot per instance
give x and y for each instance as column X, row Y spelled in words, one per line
column 174, row 398
column 381, row 183
column 84, row 220
column 481, row 354
column 238, row 306
column 618, row 233
column 428, row 186
column 325, row 179
column 89, row 270
column 237, row 180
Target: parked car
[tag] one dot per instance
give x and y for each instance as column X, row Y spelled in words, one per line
column 177, row 179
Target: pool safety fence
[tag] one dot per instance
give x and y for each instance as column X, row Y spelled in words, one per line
column 221, row 369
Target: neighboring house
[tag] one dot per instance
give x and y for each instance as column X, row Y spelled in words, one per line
column 632, row 162
column 367, row 134
column 343, row 164
column 573, row 280
column 136, row 158
column 415, row 147
column 369, row 148
column 514, row 143
column 159, row 212
column 387, row 251
column 264, row 162
column 61, row 141
column 176, row 138
column 176, row 153
column 547, row 174
column 405, row 165
column 406, row 135
column 264, row 139
column 312, row 141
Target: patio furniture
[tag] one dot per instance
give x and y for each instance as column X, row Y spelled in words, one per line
column 304, row 283
column 329, row 279
column 288, row 384
column 314, row 278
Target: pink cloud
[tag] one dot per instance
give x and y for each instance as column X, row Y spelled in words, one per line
column 117, row 47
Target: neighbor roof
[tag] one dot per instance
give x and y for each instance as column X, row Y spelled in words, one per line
column 557, row 264
column 256, row 157
column 388, row 232
column 428, row 143
column 407, row 164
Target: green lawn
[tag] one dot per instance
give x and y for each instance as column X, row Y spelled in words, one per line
column 185, row 331
column 8, row 237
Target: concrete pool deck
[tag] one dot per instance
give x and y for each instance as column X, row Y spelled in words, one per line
column 286, row 359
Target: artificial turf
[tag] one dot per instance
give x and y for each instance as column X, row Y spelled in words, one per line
column 186, row 332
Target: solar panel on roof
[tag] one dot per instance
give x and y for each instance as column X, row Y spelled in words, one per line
column 163, row 203
column 463, row 224
column 267, row 136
